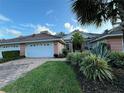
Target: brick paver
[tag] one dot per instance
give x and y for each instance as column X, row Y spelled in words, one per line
column 12, row 70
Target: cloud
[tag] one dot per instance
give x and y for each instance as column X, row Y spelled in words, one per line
column 49, row 25
column 13, row 32
column 28, row 25
column 49, row 12
column 71, row 28
column 74, row 20
column 17, row 27
column 81, row 29
column 10, row 32
column 4, row 18
column 40, row 28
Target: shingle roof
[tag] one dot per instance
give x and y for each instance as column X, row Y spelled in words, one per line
column 33, row 37
column 113, row 32
column 84, row 34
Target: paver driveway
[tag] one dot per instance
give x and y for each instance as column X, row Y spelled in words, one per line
column 12, row 70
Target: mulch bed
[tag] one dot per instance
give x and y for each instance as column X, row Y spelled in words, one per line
column 88, row 86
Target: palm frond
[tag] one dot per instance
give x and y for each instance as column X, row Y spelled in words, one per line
column 94, row 11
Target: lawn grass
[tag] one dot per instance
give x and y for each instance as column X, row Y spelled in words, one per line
column 51, row 77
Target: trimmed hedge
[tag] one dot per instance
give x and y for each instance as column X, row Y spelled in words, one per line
column 11, row 55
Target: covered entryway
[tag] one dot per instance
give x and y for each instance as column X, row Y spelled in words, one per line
column 39, row 50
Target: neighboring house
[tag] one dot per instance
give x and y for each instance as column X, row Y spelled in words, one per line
column 36, row 45
column 87, row 36
column 46, row 45
column 112, row 37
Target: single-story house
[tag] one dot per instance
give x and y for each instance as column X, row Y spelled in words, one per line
column 87, row 36
column 112, row 37
column 36, row 45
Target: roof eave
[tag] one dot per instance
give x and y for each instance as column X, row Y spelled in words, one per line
column 48, row 40
column 97, row 39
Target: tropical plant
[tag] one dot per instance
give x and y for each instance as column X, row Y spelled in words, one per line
column 77, row 40
column 117, row 59
column 99, row 11
column 69, row 57
column 101, row 49
column 96, row 68
column 83, row 55
column 76, row 58
column 65, row 51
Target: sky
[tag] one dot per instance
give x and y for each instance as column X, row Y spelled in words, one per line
column 25, row 17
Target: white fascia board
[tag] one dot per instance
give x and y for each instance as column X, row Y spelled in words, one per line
column 105, row 37
column 48, row 40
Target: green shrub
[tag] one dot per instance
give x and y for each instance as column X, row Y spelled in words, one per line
column 69, row 57
column 83, row 55
column 10, row 55
column 101, row 49
column 76, row 58
column 72, row 58
column 96, row 68
column 116, row 59
column 2, row 60
column 65, row 51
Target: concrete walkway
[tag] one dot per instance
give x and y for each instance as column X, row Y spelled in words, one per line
column 12, row 70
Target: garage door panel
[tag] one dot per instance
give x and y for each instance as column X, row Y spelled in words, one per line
column 39, row 51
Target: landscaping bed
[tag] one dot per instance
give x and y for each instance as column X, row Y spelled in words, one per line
column 99, row 70
column 90, row 86
column 51, row 77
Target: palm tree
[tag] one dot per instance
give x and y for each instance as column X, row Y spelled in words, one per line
column 77, row 40
column 99, row 11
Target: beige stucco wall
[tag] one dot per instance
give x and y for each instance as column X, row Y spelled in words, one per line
column 22, row 49
column 115, row 43
column 58, row 47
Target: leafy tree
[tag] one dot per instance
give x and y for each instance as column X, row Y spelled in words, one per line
column 77, row 40
column 98, row 11
column 61, row 34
